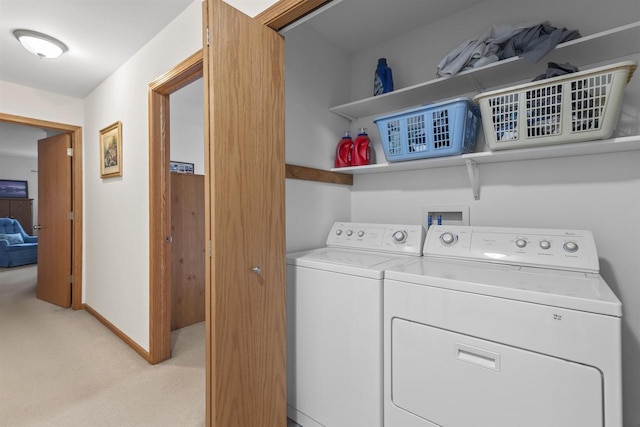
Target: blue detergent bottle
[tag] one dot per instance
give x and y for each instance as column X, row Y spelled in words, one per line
column 383, row 80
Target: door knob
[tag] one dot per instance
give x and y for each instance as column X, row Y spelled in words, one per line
column 37, row 227
column 257, row 269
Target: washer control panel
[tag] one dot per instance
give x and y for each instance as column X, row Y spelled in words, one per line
column 573, row 250
column 391, row 238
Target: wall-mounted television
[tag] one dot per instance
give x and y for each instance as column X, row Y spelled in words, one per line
column 14, row 188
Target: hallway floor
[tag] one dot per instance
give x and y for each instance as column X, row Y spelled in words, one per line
column 60, row 367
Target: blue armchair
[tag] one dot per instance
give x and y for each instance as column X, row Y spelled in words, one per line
column 16, row 246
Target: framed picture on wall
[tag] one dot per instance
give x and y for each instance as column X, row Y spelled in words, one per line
column 14, row 188
column 181, row 167
column 111, row 151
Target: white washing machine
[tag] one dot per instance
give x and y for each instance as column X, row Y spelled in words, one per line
column 334, row 323
column 502, row 327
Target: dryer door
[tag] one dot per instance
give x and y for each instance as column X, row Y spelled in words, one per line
column 455, row 380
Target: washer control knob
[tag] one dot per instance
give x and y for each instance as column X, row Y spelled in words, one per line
column 447, row 238
column 338, row 232
column 400, row 236
column 360, row 233
column 349, row 232
column 521, row 243
column 545, row 244
column 570, row 247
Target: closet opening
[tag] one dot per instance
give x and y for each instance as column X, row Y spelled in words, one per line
column 161, row 235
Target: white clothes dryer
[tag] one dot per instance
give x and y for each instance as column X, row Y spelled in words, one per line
column 334, row 323
column 502, row 327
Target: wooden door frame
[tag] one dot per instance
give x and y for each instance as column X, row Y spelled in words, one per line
column 76, row 193
column 175, row 79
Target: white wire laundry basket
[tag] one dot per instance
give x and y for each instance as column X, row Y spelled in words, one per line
column 574, row 107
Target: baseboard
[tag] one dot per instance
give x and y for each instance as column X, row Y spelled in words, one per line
column 131, row 343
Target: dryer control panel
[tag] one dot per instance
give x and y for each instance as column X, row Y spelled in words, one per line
column 390, row 238
column 573, row 250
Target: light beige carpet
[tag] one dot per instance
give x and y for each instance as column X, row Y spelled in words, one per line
column 60, row 367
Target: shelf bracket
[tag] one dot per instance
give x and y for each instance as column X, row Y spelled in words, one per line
column 476, row 84
column 346, row 116
column 473, row 169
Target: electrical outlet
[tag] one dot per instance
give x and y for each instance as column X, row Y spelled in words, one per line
column 445, row 214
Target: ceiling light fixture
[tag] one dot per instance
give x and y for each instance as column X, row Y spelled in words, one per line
column 40, row 44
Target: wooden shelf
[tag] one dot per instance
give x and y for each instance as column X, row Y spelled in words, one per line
column 472, row 161
column 603, row 46
column 615, row 145
column 318, row 175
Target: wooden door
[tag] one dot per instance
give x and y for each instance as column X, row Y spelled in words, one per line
column 244, row 103
column 54, row 234
column 187, row 250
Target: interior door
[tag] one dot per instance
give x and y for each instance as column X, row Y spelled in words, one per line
column 54, row 206
column 244, row 101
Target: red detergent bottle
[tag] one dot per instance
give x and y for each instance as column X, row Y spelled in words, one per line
column 362, row 149
column 344, row 152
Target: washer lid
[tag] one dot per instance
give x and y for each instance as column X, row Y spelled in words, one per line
column 566, row 289
column 347, row 261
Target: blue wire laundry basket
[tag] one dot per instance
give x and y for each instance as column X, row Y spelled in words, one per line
column 443, row 129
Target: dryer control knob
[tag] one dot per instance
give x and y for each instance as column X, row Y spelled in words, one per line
column 360, row 233
column 349, row 232
column 545, row 244
column 521, row 243
column 447, row 239
column 400, row 236
column 570, row 247
column 338, row 232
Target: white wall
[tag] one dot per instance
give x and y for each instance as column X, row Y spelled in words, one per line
column 316, row 76
column 251, row 7
column 20, row 140
column 38, row 104
column 117, row 209
column 311, row 210
column 187, row 125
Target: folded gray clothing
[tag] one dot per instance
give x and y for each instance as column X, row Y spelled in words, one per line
column 534, row 43
column 476, row 53
column 531, row 40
